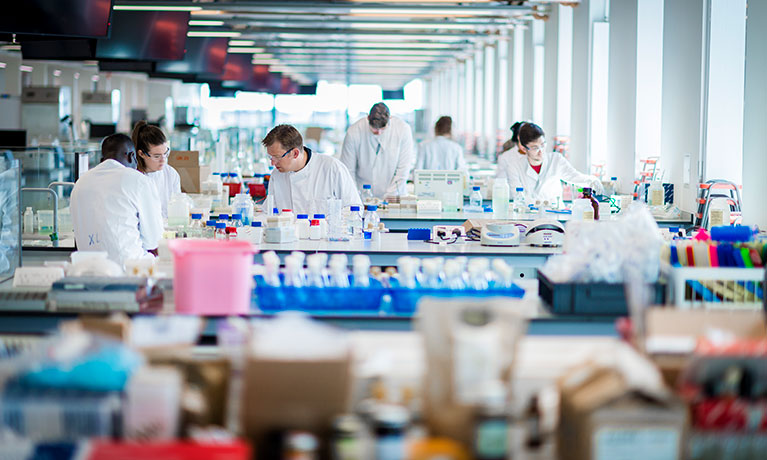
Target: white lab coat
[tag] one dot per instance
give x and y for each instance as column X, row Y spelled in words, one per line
column 307, row 191
column 441, row 153
column 115, row 209
column 383, row 161
column 168, row 182
column 515, row 168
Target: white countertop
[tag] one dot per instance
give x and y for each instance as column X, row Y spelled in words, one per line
column 398, row 243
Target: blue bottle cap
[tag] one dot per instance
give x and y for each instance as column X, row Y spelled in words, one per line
column 366, row 186
column 210, row 223
column 275, row 211
column 256, row 223
column 355, row 208
column 223, row 216
column 319, row 216
column 475, row 188
column 302, row 216
column 237, row 216
column 520, row 189
column 220, row 225
column 196, row 216
column 372, row 207
column 488, row 209
column 367, row 235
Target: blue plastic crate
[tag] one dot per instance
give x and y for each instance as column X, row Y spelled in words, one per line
column 404, row 301
column 313, row 300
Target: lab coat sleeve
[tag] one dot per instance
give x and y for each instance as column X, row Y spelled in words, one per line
column 502, row 168
column 568, row 173
column 149, row 217
column 175, row 183
column 350, row 150
column 405, row 162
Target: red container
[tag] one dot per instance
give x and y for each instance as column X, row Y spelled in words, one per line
column 257, row 190
column 234, row 188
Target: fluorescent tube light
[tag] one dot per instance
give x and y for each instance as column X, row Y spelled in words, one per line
column 212, row 33
column 156, row 8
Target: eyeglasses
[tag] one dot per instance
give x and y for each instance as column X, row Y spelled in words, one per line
column 535, row 149
column 159, row 156
column 275, row 159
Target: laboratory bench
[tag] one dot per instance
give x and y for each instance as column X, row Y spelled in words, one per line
column 401, row 222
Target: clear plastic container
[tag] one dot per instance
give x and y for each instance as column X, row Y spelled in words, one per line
column 178, row 211
column 221, row 231
column 656, row 194
column 195, row 228
column 501, row 199
column 236, row 220
column 243, row 205
column 582, row 209
column 370, row 220
column 367, row 194
column 45, row 221
column 354, row 222
column 475, row 198
column 520, row 201
column 210, row 229
column 29, row 221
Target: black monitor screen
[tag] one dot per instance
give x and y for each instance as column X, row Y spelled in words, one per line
column 102, row 130
column 203, row 56
column 146, row 35
column 238, row 68
column 80, row 49
column 395, row 94
column 13, row 138
column 307, row 89
column 74, row 18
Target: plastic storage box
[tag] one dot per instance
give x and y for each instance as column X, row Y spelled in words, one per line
column 605, row 299
column 326, row 300
column 212, row 277
column 404, row 301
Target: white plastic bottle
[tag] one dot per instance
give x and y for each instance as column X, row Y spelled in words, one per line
column 315, row 232
column 323, row 224
column 302, row 226
column 501, row 199
column 29, row 220
column 582, row 209
column 371, row 220
column 475, row 198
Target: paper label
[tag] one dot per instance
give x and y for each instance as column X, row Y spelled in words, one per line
column 588, row 215
column 716, row 218
column 636, row 444
column 657, row 198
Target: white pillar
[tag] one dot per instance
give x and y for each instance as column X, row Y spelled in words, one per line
column 726, row 73
column 479, row 98
column 558, row 71
column 501, row 95
column 649, row 80
column 534, row 72
column 517, row 74
column 755, row 118
column 469, row 108
column 460, row 85
column 490, row 104
column 682, row 108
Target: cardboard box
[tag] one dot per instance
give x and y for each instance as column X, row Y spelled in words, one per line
column 449, row 408
column 603, row 416
column 671, row 335
column 187, row 164
column 314, row 133
column 302, row 395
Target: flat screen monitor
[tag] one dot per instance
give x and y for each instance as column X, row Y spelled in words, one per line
column 13, row 138
column 73, row 18
column 99, row 131
column 307, row 89
column 79, row 49
column 146, row 36
column 204, row 57
column 394, row 94
column 238, row 69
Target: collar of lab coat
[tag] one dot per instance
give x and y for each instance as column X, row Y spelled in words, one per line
column 305, row 170
column 111, row 164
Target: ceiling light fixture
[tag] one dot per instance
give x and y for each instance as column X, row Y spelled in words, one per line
column 212, row 33
column 155, row 8
column 26, row 68
column 245, row 50
column 241, row 43
column 202, row 23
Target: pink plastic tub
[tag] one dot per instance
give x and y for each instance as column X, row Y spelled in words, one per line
column 212, row 277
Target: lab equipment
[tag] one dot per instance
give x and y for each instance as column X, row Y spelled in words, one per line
column 355, row 223
column 545, row 233
column 220, row 231
column 588, row 195
column 582, row 209
column 438, row 185
column 520, row 202
column 657, row 194
column 370, row 220
column 45, row 221
column 367, row 194
column 302, row 226
column 178, row 211
column 418, row 234
column 429, row 207
column 475, row 198
column 212, row 277
column 281, row 234
column 361, row 270
column 236, row 220
column 320, row 218
column 718, row 212
column 336, row 225
column 500, row 234
column 210, row 229
column 195, row 228
column 315, row 230
column 501, row 199
column 29, row 221
column 244, row 206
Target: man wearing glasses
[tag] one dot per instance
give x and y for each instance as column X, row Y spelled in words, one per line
column 303, row 181
column 379, row 151
column 112, row 207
